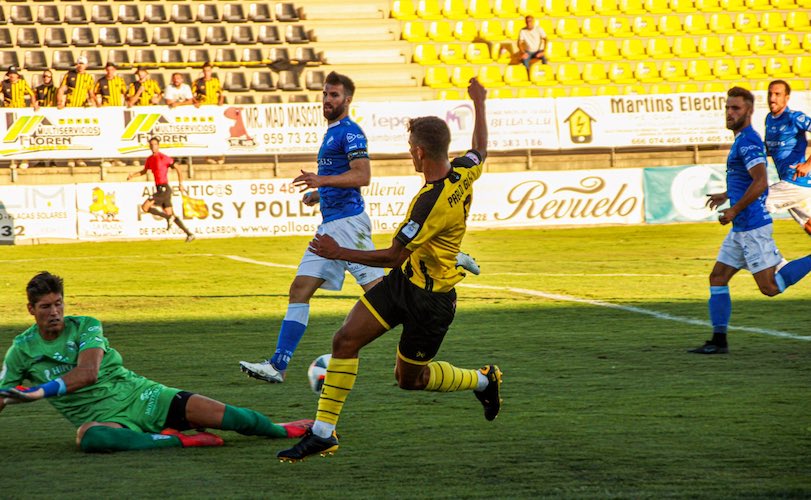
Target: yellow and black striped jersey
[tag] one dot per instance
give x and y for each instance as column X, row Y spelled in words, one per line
column 78, row 86
column 207, row 92
column 14, row 93
column 151, row 88
column 112, row 91
column 46, row 95
column 435, row 225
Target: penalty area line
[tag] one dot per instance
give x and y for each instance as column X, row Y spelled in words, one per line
column 632, row 309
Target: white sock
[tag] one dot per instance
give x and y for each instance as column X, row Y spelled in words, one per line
column 483, row 382
column 323, row 429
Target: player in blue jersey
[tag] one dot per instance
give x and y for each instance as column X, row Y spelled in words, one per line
column 786, row 143
column 749, row 245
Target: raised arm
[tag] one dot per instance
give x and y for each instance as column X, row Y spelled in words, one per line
column 479, row 94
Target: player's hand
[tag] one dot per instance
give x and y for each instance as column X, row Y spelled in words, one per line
column 325, row 246
column 307, row 180
column 22, row 394
column 311, row 198
column 715, row 200
column 726, row 216
column 476, row 91
column 802, row 170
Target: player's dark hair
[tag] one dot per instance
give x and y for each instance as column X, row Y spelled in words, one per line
column 42, row 284
column 432, row 134
column 153, row 138
column 741, row 92
column 334, row 78
column 783, row 83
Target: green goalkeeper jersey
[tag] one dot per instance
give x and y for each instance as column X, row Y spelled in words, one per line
column 119, row 395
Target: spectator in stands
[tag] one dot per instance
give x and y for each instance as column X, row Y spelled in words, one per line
column 15, row 89
column 178, row 93
column 46, row 91
column 531, row 43
column 76, row 89
column 207, row 90
column 144, row 91
column 111, row 89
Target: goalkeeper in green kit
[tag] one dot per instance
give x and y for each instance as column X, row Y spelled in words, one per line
column 70, row 363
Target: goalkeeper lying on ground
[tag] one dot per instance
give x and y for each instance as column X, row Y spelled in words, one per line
column 114, row 409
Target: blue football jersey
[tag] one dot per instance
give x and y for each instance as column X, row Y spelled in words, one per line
column 343, row 142
column 747, row 151
column 786, row 143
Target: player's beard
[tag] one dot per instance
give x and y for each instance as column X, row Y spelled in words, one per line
column 737, row 124
column 332, row 114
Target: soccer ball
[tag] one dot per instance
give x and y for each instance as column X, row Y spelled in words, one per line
column 318, row 372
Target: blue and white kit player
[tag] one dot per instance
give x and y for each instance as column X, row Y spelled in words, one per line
column 343, row 167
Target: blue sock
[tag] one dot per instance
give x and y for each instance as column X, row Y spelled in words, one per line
column 293, row 327
column 792, row 272
column 720, row 308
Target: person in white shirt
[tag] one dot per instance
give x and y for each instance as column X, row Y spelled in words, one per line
column 178, row 93
column 531, row 43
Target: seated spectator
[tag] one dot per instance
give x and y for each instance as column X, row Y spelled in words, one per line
column 178, row 93
column 531, row 43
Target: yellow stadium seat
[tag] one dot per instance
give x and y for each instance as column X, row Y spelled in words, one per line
column 772, row 21
column 516, row 75
column 555, row 51
column 541, row 74
column 670, row 26
column 451, row 95
column 554, row 92
column 478, row 53
column 804, row 4
column 733, row 5
column 673, row 71
column 621, row 72
column 440, row 31
column 759, row 85
column 787, row 4
column 501, row 53
column 658, row 48
column 714, row 87
column 595, row 74
column 607, row 50
column 801, row 65
column 747, row 22
column 437, row 77
column 465, row 31
column 529, row 7
column 778, row 67
column 708, row 5
column 736, row 45
column 644, row 26
column 567, row 27
column 501, row 93
column 632, row 7
column 699, row 70
column 695, row 24
column 632, row 49
column 682, row 6
column 452, row 53
column 505, row 8
column 657, row 6
column 661, row 88
column 687, row 88
column 787, row 44
column 685, row 48
column 798, row 85
column 479, row 9
column 490, row 76
column 426, row 53
column 491, row 30
column 807, row 42
column 721, row 24
column 647, row 72
column 607, row 7
column 454, row 9
column 555, row 8
column 763, row 45
column 461, row 75
column 710, row 46
column 429, row 9
column 759, row 5
column 512, row 28
column 725, row 69
column 619, row 27
column 581, row 8
column 568, row 74
column 529, row 92
column 798, row 21
column 581, row 51
column 608, row 90
column 581, row 92
column 546, row 25
column 633, row 89
column 403, row 10
column 414, row 31
column 594, row 27
column 751, row 68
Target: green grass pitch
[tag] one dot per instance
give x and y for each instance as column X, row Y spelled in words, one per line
column 599, row 401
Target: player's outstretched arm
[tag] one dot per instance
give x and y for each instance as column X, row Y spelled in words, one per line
column 479, row 94
column 85, row 373
column 136, row 174
column 325, row 246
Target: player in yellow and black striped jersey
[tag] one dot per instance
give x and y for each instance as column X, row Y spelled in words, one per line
column 144, row 91
column 15, row 90
column 419, row 291
column 46, row 91
column 207, row 89
column 111, row 89
column 76, row 89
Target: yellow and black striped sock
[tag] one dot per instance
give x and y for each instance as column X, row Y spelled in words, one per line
column 444, row 377
column 341, row 375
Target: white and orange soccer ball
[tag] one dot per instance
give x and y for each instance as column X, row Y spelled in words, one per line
column 318, row 372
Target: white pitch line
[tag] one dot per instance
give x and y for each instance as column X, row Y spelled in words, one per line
column 258, row 262
column 637, row 310
column 601, row 275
